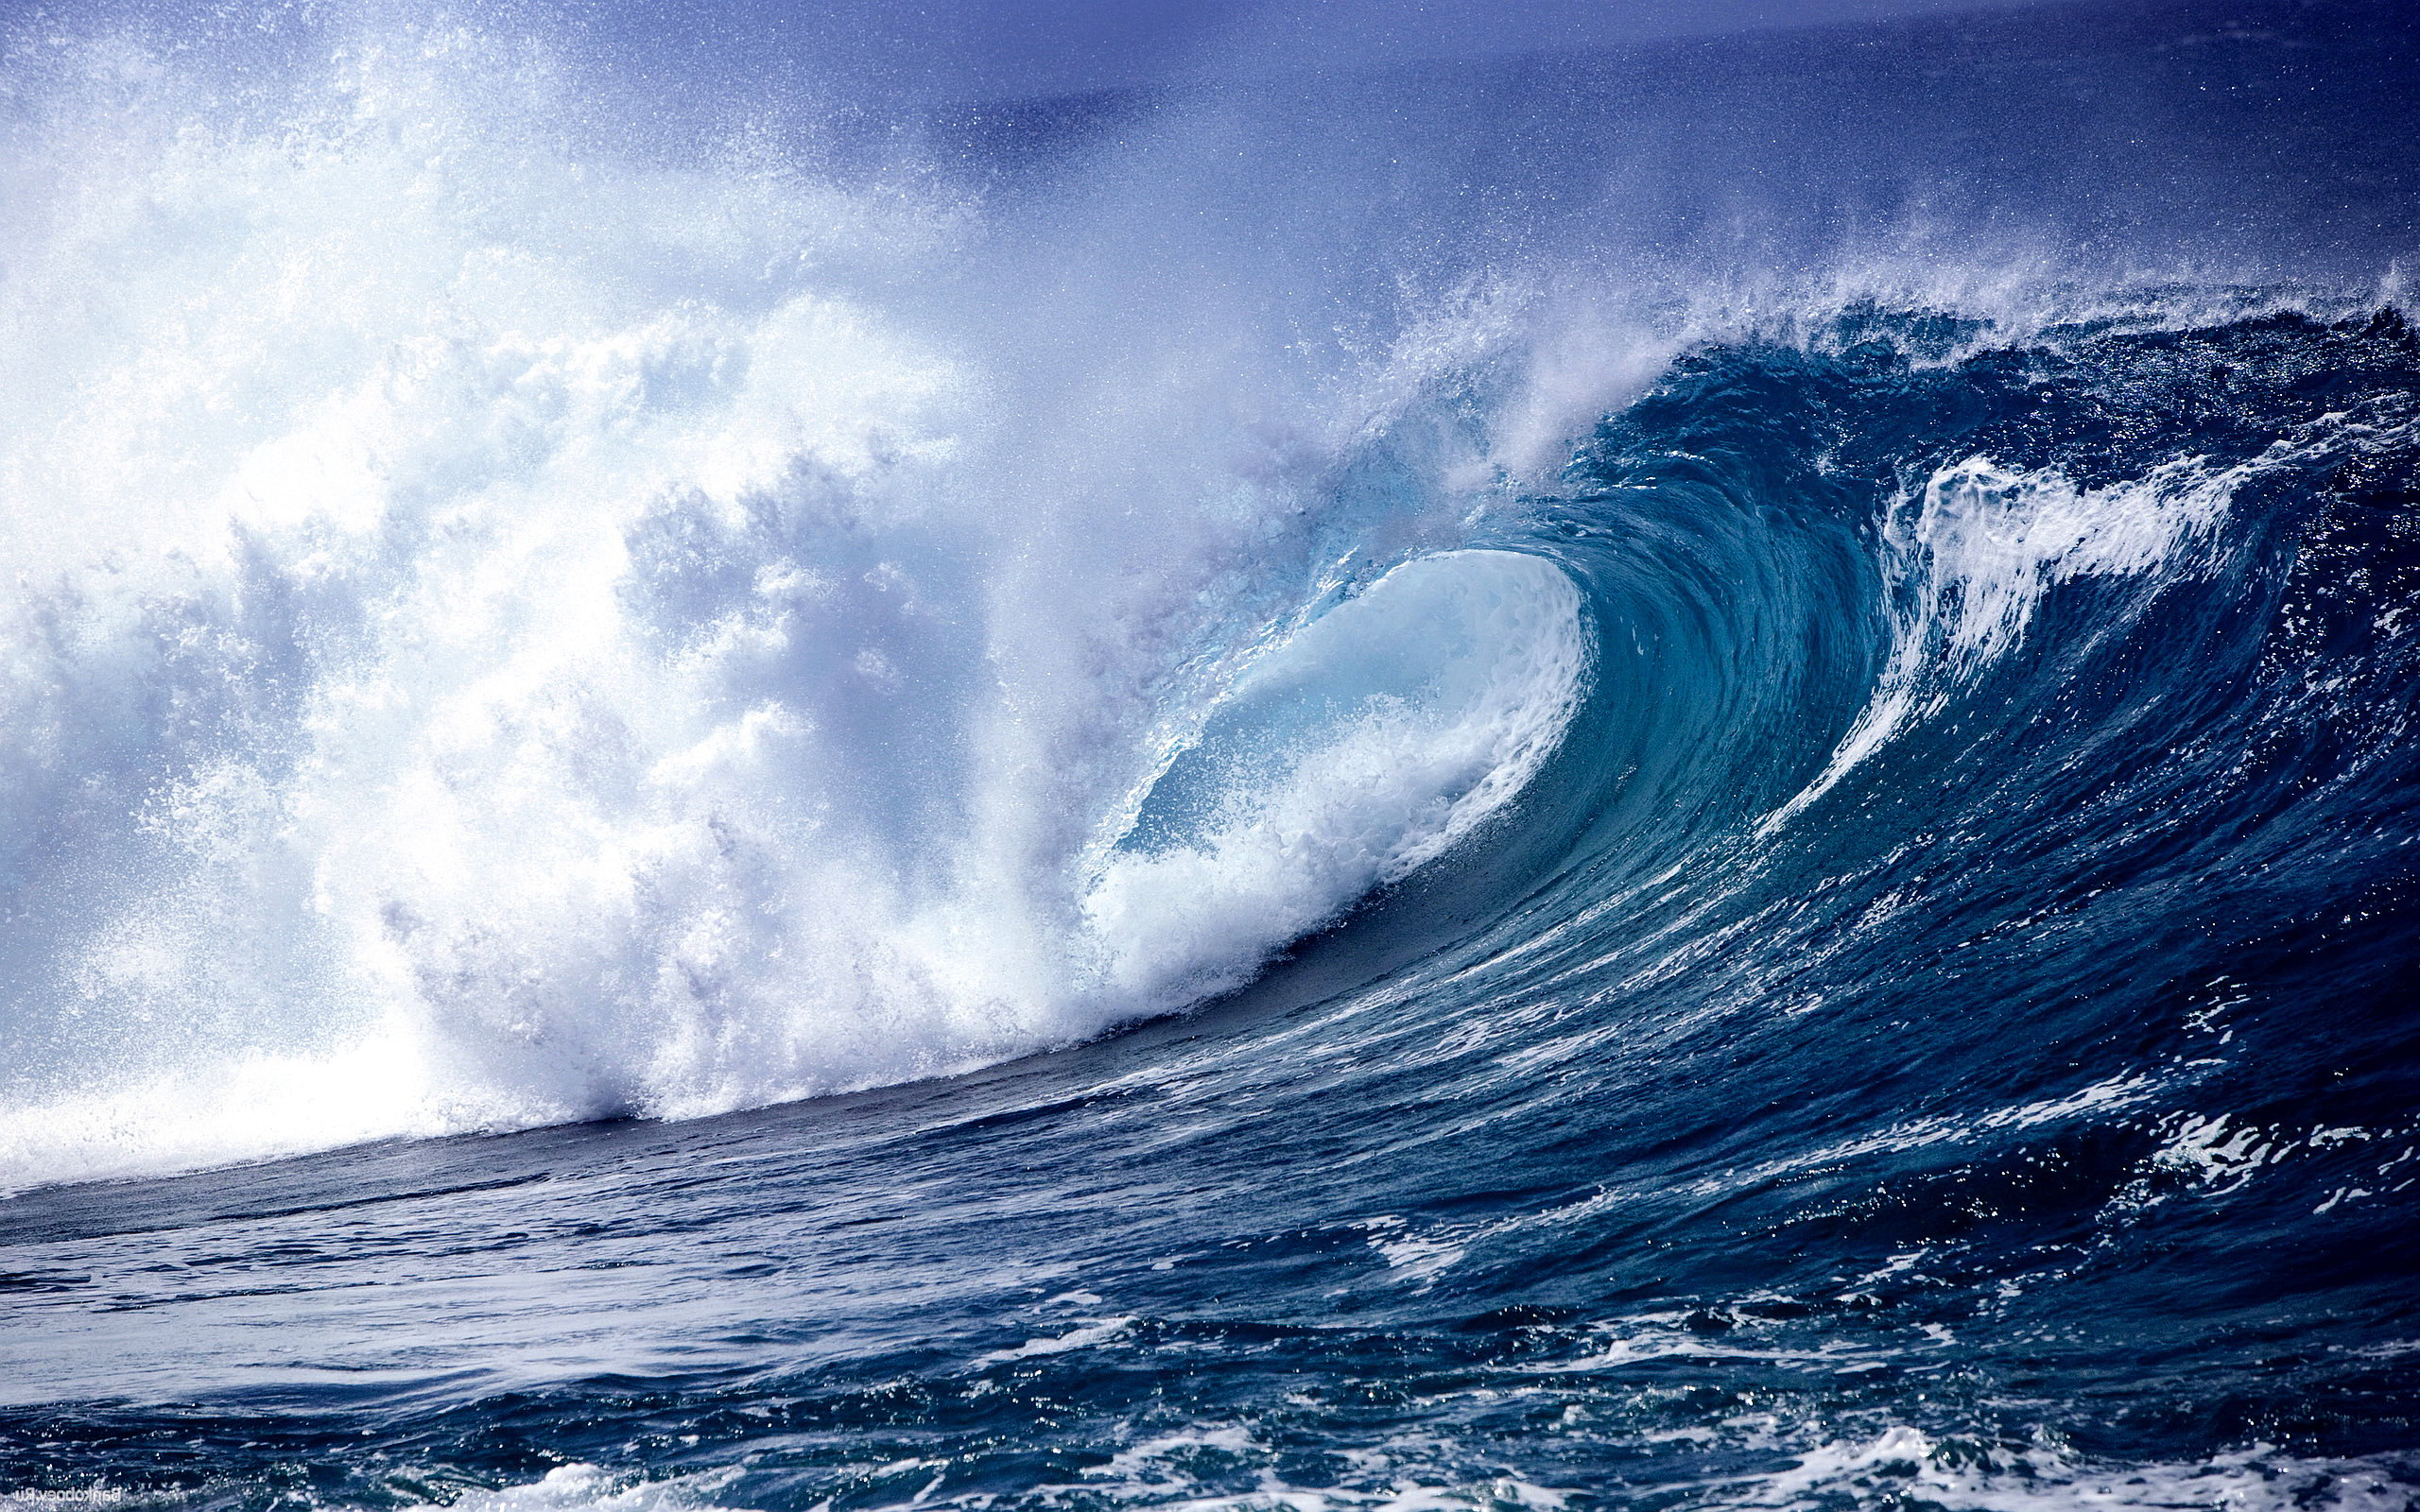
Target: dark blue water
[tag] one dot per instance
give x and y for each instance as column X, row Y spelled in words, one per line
column 1933, row 1029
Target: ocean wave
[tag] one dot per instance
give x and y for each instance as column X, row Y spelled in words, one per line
column 1674, row 778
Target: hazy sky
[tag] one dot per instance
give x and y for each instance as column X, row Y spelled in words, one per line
column 943, row 49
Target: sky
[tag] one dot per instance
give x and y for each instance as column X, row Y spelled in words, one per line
column 944, row 50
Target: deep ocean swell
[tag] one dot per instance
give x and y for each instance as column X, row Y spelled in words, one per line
column 1949, row 1036
column 733, row 916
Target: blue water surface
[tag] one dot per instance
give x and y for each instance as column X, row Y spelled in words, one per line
column 1936, row 1033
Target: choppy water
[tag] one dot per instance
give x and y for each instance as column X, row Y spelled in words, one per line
column 1410, row 790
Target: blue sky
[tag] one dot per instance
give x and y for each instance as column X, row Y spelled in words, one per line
column 965, row 49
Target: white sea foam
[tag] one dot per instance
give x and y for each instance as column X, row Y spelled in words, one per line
column 1902, row 1465
column 1968, row 560
column 1971, row 557
column 508, row 632
column 593, row 1489
column 1890, row 1468
column 1360, row 748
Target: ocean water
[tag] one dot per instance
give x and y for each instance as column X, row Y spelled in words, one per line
column 1666, row 778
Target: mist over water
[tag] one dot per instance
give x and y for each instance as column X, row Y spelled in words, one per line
column 513, row 633
column 1666, row 777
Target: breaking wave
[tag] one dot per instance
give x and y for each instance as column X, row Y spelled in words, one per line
column 1681, row 778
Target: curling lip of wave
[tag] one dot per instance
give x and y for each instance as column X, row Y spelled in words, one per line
column 571, row 659
column 1361, row 748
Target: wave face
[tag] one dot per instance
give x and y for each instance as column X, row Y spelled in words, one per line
column 1585, row 780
